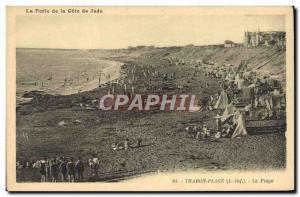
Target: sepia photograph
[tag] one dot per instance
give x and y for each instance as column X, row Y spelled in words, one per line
column 150, row 98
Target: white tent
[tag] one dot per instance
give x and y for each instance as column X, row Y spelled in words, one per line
column 222, row 101
column 228, row 112
column 240, row 129
column 240, row 84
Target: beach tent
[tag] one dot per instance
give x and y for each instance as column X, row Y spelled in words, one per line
column 276, row 102
column 240, row 83
column 276, row 92
column 228, row 112
column 240, row 129
column 276, row 99
column 223, row 101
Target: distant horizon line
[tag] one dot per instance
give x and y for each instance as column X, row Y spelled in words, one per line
column 122, row 48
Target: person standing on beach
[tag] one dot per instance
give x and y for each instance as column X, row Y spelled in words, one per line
column 90, row 162
column 48, row 174
column 126, row 144
column 79, row 168
column 63, row 169
column 71, row 170
column 43, row 170
column 95, row 166
column 54, row 170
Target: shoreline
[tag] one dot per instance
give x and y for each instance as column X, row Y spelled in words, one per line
column 113, row 71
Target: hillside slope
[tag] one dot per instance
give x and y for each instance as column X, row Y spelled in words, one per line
column 271, row 60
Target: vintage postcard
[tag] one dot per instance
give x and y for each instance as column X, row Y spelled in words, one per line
column 150, row 98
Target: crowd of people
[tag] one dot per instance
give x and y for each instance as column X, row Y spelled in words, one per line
column 61, row 169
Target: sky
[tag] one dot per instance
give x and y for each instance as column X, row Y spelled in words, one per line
column 121, row 31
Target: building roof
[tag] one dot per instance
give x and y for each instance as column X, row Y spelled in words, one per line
column 228, row 42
